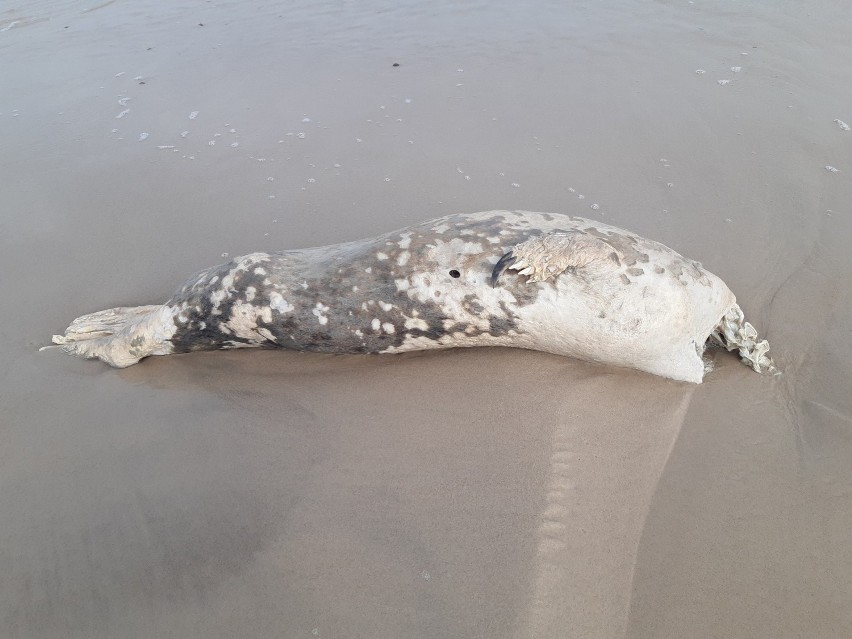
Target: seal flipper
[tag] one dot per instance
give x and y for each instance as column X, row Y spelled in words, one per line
column 120, row 336
column 102, row 323
column 545, row 256
column 734, row 333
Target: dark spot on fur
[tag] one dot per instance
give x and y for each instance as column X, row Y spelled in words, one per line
column 471, row 304
column 455, row 274
column 498, row 326
column 459, row 327
column 525, row 293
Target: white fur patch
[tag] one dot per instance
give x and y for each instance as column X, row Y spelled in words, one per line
column 415, row 322
column 320, row 312
column 243, row 320
column 278, row 303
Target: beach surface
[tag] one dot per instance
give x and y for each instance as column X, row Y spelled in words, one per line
column 470, row 493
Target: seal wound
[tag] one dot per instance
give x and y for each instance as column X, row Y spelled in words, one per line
column 541, row 281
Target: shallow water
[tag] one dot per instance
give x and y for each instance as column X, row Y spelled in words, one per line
column 476, row 493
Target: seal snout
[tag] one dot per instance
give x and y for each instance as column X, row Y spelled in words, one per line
column 503, row 263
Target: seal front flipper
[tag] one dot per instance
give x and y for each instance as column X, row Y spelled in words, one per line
column 545, row 256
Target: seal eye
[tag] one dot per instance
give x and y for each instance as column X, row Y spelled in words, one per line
column 455, row 273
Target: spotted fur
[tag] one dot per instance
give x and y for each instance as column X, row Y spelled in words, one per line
column 534, row 280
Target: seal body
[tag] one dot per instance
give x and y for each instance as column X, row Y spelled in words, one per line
column 549, row 282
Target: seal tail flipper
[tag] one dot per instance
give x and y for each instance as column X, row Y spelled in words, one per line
column 101, row 324
column 734, row 333
column 119, row 336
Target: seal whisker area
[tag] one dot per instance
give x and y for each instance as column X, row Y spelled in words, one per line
column 590, row 290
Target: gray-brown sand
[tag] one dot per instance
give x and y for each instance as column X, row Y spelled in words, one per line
column 479, row 493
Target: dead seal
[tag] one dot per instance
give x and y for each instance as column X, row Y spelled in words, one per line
column 542, row 281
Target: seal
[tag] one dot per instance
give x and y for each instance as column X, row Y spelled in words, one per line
column 542, row 281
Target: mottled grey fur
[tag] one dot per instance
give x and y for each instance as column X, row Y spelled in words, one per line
column 453, row 281
column 327, row 275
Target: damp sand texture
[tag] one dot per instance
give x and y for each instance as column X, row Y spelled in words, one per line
column 464, row 493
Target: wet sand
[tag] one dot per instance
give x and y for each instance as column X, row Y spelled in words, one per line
column 479, row 493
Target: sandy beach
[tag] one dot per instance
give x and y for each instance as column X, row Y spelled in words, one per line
column 471, row 493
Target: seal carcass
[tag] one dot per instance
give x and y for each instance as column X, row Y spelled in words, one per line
column 542, row 281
